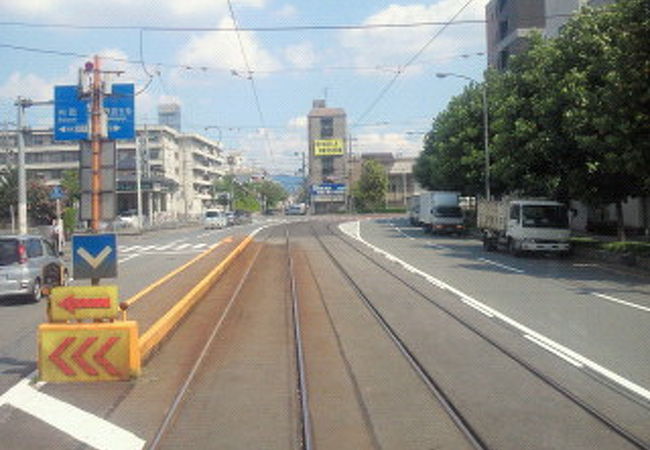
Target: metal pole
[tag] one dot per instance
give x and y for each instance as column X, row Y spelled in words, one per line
column 138, row 182
column 96, row 146
column 486, row 142
column 22, row 173
column 147, row 173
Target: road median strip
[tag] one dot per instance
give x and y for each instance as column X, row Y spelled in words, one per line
column 159, row 330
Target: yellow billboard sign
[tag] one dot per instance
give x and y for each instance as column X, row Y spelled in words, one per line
column 83, row 302
column 328, row 147
column 88, row 351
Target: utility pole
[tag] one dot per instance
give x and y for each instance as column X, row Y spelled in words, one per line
column 96, row 145
column 147, row 174
column 138, row 180
column 21, row 103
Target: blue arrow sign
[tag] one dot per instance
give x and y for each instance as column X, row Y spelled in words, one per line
column 94, row 256
column 70, row 114
column 57, row 193
column 71, row 117
column 120, row 108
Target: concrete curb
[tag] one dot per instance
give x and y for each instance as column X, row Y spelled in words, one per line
column 161, row 328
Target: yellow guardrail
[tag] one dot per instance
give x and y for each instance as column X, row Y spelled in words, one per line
column 159, row 330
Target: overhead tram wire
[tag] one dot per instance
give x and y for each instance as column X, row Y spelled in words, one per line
column 250, row 77
column 236, row 29
column 286, row 28
column 403, row 68
column 140, row 62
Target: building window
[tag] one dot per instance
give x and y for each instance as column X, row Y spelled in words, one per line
column 503, row 59
column 326, row 127
column 503, row 29
column 327, row 166
column 502, row 4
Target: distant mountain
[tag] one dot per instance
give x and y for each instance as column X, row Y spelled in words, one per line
column 290, row 182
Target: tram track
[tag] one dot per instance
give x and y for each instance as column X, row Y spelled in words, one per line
column 465, row 427
column 313, row 261
column 451, row 409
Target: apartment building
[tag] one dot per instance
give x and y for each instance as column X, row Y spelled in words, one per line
column 177, row 169
column 328, row 175
column 510, row 22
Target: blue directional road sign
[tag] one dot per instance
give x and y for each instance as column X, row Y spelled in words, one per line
column 94, row 256
column 71, row 117
column 120, row 108
column 70, row 114
column 57, row 193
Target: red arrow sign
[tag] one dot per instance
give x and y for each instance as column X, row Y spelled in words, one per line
column 81, row 362
column 55, row 357
column 71, row 303
column 105, row 363
column 78, row 356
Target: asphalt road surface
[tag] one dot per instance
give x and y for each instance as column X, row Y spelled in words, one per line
column 407, row 340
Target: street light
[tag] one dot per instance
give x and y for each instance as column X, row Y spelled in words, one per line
column 485, row 125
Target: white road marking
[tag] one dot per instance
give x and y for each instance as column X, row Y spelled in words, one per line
column 198, row 246
column 502, row 266
column 81, row 425
column 553, row 350
column 128, row 258
column 622, row 302
column 182, row 246
column 567, row 352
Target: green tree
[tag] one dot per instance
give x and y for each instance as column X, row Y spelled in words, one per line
column 40, row 208
column 271, row 192
column 71, row 186
column 453, row 155
column 8, row 191
column 369, row 192
column 606, row 57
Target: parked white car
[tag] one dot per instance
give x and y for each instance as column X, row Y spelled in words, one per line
column 214, row 219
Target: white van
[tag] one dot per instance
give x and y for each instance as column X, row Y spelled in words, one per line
column 214, row 219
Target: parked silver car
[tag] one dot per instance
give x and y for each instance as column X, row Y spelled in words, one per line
column 214, row 219
column 28, row 264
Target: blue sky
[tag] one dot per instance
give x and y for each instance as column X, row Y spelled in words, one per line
column 187, row 60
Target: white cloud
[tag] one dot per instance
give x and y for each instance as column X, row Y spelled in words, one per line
column 371, row 47
column 299, row 122
column 222, row 50
column 386, row 142
column 301, row 55
column 26, row 85
column 156, row 12
column 287, row 11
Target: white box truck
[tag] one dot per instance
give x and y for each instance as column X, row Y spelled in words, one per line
column 524, row 226
column 440, row 212
column 413, row 203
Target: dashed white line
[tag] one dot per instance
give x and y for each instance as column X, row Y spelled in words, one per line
column 622, row 302
column 353, row 231
column 502, row 266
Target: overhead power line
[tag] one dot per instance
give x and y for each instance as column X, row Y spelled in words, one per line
column 250, row 76
column 141, row 62
column 408, row 63
column 369, row 26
